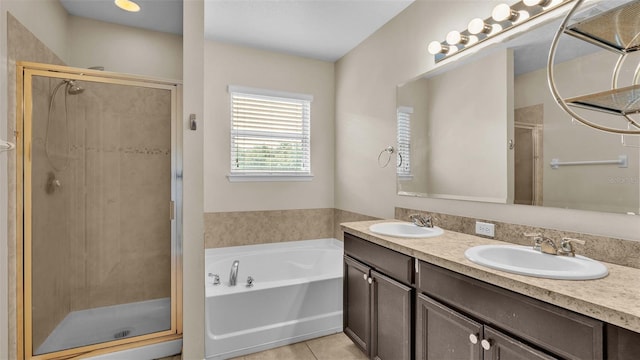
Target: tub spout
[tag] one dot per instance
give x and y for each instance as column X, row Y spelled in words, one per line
column 233, row 276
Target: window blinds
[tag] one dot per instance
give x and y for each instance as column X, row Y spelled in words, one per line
column 270, row 132
column 404, row 141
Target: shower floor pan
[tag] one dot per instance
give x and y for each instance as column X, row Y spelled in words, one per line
column 97, row 325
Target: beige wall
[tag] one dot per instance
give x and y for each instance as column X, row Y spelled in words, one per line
column 193, row 186
column 605, row 187
column 234, row 65
column 124, row 49
column 366, row 80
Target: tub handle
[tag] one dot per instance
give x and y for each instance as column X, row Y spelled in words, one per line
column 364, row 276
column 215, row 278
column 249, row 281
column 370, row 280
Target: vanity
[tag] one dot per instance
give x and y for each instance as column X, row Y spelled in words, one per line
column 407, row 298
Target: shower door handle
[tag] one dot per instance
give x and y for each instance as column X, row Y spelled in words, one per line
column 193, row 125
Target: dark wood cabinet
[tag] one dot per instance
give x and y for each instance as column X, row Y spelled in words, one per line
column 498, row 346
column 444, row 334
column 391, row 317
column 357, row 303
column 393, row 312
column 556, row 330
column 378, row 306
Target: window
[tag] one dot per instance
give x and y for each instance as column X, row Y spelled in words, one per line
column 404, row 142
column 270, row 135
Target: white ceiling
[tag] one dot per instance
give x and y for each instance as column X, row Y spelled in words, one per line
column 319, row 29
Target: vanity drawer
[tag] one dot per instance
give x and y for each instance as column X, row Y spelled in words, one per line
column 398, row 266
column 557, row 330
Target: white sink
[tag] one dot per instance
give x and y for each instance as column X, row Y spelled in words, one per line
column 405, row 230
column 523, row 260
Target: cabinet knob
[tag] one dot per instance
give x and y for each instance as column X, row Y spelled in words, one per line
column 486, row 344
column 473, row 338
column 364, row 276
column 370, row 280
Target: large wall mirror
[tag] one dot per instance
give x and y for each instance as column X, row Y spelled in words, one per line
column 488, row 129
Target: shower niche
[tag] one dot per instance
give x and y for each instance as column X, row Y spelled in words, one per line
column 99, row 210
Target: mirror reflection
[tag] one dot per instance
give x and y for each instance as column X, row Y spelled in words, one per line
column 488, row 129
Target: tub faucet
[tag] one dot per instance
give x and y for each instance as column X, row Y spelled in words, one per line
column 233, row 276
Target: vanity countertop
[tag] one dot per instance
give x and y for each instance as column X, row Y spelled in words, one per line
column 614, row 299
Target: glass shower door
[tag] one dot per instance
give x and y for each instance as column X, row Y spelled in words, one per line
column 99, row 227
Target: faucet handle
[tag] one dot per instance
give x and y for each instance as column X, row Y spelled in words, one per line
column 215, row 278
column 537, row 240
column 568, row 240
column 566, row 246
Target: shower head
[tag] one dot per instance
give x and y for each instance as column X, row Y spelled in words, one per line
column 73, row 88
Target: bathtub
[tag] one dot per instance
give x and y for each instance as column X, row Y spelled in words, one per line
column 296, row 295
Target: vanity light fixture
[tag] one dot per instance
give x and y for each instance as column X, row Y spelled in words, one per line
column 454, row 38
column 503, row 18
column 504, row 12
column 127, row 5
column 437, row 48
column 478, row 26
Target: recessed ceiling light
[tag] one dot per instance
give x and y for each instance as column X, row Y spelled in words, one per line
column 127, row 5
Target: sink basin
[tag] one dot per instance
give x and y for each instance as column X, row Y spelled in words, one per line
column 405, row 230
column 523, row 260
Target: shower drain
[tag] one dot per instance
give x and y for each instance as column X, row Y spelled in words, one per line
column 121, row 334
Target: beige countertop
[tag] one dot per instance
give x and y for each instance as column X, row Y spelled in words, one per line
column 614, row 299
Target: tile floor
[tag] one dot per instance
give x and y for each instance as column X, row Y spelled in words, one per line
column 331, row 347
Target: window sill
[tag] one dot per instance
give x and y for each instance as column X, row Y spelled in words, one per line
column 268, row 177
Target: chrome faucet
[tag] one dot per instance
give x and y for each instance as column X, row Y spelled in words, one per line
column 233, row 276
column 548, row 246
column 421, row 220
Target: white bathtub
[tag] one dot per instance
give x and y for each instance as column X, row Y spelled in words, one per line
column 296, row 295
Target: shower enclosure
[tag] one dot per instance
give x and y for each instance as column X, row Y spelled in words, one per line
column 98, row 164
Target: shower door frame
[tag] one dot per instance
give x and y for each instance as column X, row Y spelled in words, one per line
column 24, row 74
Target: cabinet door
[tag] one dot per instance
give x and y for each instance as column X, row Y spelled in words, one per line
column 498, row 346
column 357, row 306
column 391, row 317
column 444, row 334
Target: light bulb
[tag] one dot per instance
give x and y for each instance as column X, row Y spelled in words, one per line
column 454, row 37
column 127, row 5
column 536, row 2
column 436, row 48
column 503, row 12
column 477, row 26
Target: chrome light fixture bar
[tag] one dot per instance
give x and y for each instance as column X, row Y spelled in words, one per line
column 503, row 18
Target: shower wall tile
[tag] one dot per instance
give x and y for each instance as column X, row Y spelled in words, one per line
column 612, row 250
column 22, row 45
column 224, row 229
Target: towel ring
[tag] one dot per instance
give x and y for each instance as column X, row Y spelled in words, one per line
column 389, row 150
